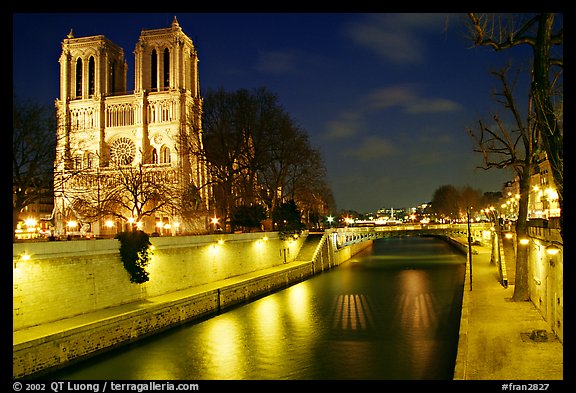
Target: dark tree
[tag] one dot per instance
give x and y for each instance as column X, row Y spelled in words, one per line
column 286, row 217
column 446, row 202
column 512, row 146
column 247, row 217
column 33, row 153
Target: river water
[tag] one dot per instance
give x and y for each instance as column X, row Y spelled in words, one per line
column 392, row 312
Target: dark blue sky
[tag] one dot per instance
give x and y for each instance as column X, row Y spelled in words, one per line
column 386, row 98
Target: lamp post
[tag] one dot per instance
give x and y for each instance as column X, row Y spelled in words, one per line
column 469, row 244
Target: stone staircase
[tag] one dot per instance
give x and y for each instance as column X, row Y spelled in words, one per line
column 309, row 247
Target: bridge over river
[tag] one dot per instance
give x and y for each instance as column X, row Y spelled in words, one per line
column 350, row 235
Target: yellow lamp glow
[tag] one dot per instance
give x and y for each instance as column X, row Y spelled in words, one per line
column 552, row 249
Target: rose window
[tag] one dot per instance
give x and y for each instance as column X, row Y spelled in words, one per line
column 123, row 151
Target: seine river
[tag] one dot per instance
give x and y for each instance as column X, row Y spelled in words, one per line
column 390, row 313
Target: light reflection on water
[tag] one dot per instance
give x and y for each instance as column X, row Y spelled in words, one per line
column 392, row 312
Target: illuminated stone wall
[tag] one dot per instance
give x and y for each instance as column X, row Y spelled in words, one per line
column 177, row 261
column 66, row 278
column 546, row 277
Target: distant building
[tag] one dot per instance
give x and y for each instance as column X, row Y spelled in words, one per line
column 34, row 221
column 104, row 130
column 391, row 214
column 543, row 198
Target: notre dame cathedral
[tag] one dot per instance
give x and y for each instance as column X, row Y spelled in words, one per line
column 123, row 160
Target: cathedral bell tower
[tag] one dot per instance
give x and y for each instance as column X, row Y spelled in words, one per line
column 165, row 59
column 91, row 67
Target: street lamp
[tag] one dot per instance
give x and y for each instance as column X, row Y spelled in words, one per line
column 214, row 222
column 131, row 222
column 552, row 249
column 330, row 220
column 30, row 222
column 109, row 224
column 159, row 225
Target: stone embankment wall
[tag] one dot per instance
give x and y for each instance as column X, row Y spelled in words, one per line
column 56, row 280
column 546, row 276
column 189, row 278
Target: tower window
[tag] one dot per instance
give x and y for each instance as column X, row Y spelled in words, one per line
column 91, row 82
column 79, row 78
column 164, row 155
column 166, row 68
column 154, row 70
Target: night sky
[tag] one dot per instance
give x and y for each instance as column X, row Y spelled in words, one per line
column 387, row 98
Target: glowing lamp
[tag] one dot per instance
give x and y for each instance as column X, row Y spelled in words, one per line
column 552, row 249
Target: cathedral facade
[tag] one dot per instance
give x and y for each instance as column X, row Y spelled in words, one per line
column 130, row 160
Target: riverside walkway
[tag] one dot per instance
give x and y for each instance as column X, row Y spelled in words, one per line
column 495, row 341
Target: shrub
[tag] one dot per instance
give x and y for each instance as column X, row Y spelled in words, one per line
column 135, row 254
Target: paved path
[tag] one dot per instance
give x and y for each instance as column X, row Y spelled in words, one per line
column 495, row 332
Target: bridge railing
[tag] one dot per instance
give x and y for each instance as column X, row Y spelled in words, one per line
column 348, row 235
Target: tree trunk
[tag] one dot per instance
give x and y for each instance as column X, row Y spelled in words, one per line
column 546, row 118
column 521, row 288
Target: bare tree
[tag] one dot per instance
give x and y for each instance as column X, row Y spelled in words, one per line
column 543, row 36
column 511, row 146
column 229, row 148
column 33, row 149
column 256, row 154
column 124, row 191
